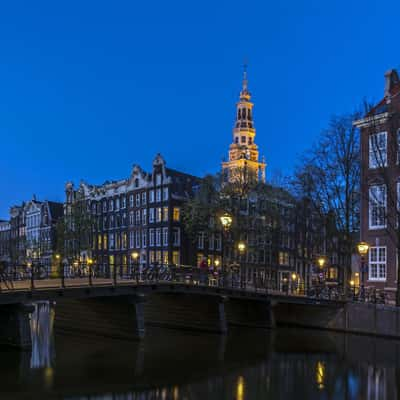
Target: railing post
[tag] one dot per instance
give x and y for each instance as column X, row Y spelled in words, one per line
column 114, row 274
column 32, row 277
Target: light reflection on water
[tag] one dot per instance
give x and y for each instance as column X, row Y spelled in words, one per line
column 245, row 365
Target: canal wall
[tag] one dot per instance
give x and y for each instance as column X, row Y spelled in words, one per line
column 359, row 318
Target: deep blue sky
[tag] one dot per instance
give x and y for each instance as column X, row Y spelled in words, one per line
column 88, row 88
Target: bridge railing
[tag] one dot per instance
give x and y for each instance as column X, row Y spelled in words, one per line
column 37, row 276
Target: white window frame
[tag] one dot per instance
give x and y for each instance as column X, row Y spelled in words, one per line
column 151, row 237
column 375, row 201
column 165, row 236
column 377, row 266
column 151, row 215
column 377, row 150
column 158, row 237
column 151, row 196
column 165, row 193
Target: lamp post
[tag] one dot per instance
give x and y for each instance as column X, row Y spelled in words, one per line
column 135, row 259
column 243, row 275
column 362, row 249
column 90, row 263
column 321, row 261
column 30, row 265
column 61, row 269
column 226, row 222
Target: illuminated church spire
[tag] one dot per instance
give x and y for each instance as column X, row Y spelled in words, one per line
column 243, row 152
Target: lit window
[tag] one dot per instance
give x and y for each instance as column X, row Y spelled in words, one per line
column 165, row 213
column 158, row 214
column 378, row 150
column 377, row 207
column 377, row 263
column 176, row 214
column 175, row 258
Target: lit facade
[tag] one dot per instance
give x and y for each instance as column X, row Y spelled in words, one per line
column 243, row 162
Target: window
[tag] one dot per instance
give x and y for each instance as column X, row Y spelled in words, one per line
column 99, row 242
column 144, row 216
column 175, row 258
column 112, row 222
column 158, row 214
column 158, row 195
column 117, row 203
column 144, row 238
column 211, row 242
column 165, row 236
column 165, row 213
column 151, row 237
column 111, row 205
column 124, row 240
column 165, row 194
column 131, row 218
column 158, row 179
column 123, row 202
column 137, row 215
column 377, row 263
column 283, row 258
column 165, row 257
column 105, row 241
column 378, row 150
column 144, row 198
column 151, row 196
column 111, row 241
column 176, row 236
column 218, row 242
column 176, row 214
column 200, row 240
column 131, row 204
column 158, row 237
column 104, row 206
column 236, row 139
column 138, row 200
column 137, row 242
column 131, row 239
column 151, row 215
column 377, row 207
column 243, row 139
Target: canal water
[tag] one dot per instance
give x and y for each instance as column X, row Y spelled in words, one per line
column 167, row 364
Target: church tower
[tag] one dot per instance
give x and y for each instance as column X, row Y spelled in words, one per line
column 243, row 152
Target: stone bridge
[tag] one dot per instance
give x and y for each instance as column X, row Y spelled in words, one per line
column 123, row 310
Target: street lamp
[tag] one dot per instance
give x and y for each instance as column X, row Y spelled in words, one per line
column 61, row 269
column 362, row 249
column 242, row 248
column 226, row 222
column 135, row 258
column 90, row 262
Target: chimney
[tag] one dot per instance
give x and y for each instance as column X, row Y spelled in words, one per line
column 391, row 79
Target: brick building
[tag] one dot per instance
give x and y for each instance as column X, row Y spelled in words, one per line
column 5, row 231
column 140, row 214
column 380, row 187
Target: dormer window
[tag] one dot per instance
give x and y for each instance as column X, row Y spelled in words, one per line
column 136, row 182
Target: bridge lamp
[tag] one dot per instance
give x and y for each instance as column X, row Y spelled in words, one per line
column 294, row 277
column 135, row 255
column 90, row 261
column 57, row 256
column 216, row 262
column 226, row 221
